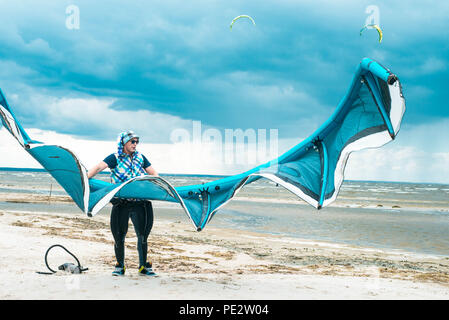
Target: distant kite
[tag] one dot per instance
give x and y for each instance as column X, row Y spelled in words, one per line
column 373, row 26
column 241, row 16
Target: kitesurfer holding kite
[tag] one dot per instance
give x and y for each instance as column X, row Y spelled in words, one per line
column 126, row 164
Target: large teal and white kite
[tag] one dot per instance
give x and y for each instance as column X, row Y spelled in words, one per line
column 368, row 116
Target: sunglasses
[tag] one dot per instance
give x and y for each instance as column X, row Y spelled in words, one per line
column 134, row 141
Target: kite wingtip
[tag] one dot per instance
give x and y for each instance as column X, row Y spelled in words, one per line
column 392, row 78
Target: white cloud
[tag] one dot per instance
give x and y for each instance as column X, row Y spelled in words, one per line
column 186, row 157
column 407, row 164
column 88, row 117
column 12, row 154
column 429, row 66
column 419, row 154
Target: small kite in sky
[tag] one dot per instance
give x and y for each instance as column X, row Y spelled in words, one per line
column 373, row 26
column 241, row 16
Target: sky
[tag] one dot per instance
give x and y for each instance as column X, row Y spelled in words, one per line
column 76, row 73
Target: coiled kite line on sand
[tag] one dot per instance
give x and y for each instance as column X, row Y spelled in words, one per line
column 369, row 115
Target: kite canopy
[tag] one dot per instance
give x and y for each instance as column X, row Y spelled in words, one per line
column 373, row 26
column 239, row 17
column 369, row 115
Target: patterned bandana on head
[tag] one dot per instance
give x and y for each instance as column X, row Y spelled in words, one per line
column 128, row 166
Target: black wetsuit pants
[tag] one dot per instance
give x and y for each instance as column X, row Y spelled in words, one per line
column 141, row 214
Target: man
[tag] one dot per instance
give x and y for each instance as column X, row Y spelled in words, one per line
column 126, row 164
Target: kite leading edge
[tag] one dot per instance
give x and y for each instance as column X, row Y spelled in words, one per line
column 369, row 115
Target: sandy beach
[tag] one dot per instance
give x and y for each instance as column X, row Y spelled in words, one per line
column 217, row 263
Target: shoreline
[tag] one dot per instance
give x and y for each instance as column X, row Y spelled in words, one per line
column 216, row 263
column 343, row 202
column 202, row 175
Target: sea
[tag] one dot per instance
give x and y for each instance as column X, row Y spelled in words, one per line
column 411, row 217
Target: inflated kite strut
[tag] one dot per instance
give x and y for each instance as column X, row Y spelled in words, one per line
column 368, row 116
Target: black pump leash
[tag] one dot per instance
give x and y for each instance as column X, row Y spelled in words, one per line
column 66, row 266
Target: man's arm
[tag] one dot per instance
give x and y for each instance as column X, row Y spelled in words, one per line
column 150, row 170
column 98, row 168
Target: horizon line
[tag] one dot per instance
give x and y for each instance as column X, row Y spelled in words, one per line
column 219, row 176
